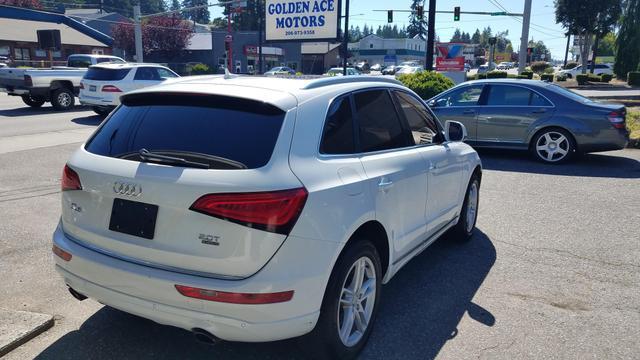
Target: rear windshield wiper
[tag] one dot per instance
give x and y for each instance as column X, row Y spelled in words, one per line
column 148, row 156
column 219, row 161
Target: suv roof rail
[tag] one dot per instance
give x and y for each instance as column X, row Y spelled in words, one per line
column 334, row 80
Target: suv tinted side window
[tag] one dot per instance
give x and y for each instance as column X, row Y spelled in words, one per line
column 378, row 122
column 421, row 122
column 147, row 73
column 337, row 135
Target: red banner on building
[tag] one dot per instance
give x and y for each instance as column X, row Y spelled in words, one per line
column 450, row 57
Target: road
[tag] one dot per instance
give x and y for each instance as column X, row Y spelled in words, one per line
column 553, row 270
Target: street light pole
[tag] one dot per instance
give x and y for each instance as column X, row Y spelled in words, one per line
column 345, row 39
column 524, row 39
column 138, row 33
column 260, row 29
column 431, row 34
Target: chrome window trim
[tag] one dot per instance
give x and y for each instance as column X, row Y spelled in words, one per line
column 490, row 84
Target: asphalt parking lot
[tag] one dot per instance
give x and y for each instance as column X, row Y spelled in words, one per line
column 553, row 270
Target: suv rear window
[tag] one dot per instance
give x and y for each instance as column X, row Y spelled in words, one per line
column 98, row 73
column 242, row 131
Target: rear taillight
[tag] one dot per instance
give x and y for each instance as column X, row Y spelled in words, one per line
column 81, row 86
column 274, row 211
column 110, row 88
column 66, row 256
column 70, row 179
column 616, row 118
column 28, row 81
column 235, row 298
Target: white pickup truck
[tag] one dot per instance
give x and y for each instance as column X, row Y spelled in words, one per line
column 58, row 85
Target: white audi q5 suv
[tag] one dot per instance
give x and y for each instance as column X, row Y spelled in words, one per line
column 258, row 209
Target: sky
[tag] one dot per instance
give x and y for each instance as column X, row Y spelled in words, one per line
column 543, row 22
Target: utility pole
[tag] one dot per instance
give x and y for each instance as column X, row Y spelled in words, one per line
column 260, row 30
column 345, row 38
column 524, row 40
column 228, row 40
column 431, row 35
column 566, row 51
column 138, row 33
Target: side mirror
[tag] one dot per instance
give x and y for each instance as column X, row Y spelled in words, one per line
column 455, row 131
column 432, row 103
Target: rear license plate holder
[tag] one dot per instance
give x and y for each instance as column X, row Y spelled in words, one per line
column 92, row 88
column 133, row 218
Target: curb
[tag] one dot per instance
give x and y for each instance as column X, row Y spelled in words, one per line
column 18, row 327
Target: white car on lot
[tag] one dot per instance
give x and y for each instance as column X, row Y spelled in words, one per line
column 103, row 84
column 259, row 209
column 599, row 70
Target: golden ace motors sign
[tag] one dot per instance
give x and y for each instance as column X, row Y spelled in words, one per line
column 312, row 20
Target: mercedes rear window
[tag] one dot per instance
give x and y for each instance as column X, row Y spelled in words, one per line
column 104, row 74
column 191, row 126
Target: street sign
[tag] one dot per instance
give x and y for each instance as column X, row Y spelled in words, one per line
column 450, row 57
column 312, row 20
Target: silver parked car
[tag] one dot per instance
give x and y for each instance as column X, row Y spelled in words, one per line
column 552, row 122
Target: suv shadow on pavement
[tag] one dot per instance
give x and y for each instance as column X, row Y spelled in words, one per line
column 46, row 109
column 88, row 120
column 606, row 165
column 421, row 308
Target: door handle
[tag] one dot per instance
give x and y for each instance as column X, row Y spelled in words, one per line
column 385, row 184
column 469, row 112
column 539, row 111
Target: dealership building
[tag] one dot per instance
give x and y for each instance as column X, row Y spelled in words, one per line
column 377, row 50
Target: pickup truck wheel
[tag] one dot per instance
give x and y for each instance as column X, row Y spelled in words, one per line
column 33, row 101
column 62, row 99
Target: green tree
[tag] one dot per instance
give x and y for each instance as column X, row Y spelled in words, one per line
column 175, row 5
column 587, row 18
column 199, row 15
column 457, row 36
column 219, row 23
column 417, row 26
column 475, row 38
column 628, row 42
column 540, row 51
column 607, row 45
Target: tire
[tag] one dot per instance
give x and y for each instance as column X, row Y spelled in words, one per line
column 553, row 146
column 325, row 339
column 35, row 102
column 102, row 110
column 62, row 99
column 463, row 230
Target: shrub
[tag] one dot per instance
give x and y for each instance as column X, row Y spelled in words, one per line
column 481, row 76
column 549, row 70
column 528, row 74
column 605, row 78
column 546, row 77
column 561, row 77
column 570, row 65
column 633, row 78
column 497, row 75
column 426, row 84
column 582, row 79
column 594, row 78
column 538, row 67
column 200, row 69
column 522, row 76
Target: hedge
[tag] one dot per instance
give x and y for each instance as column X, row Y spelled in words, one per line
column 528, row 74
column 546, row 77
column 522, row 76
column 200, row 69
column 497, row 75
column 605, row 78
column 538, row 67
column 594, row 78
column 571, row 65
column 633, row 78
column 481, row 76
column 582, row 79
column 561, row 77
column 426, row 84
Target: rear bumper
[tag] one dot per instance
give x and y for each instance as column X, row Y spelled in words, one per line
column 613, row 139
column 300, row 264
column 98, row 100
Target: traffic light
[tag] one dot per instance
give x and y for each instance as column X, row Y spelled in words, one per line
column 456, row 13
column 419, row 11
column 390, row 16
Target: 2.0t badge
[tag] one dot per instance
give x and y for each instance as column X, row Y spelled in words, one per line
column 127, row 189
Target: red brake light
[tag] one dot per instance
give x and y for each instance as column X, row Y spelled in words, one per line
column 274, row 211
column 617, row 119
column 110, row 88
column 235, row 298
column 70, row 179
column 61, row 253
column 28, row 81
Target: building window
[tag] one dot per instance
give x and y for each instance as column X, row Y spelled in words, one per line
column 370, row 46
column 5, row 50
column 97, row 51
column 21, row 54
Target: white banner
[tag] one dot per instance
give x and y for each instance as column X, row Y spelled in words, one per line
column 302, row 20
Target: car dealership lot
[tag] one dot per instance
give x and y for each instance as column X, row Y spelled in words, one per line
column 553, row 271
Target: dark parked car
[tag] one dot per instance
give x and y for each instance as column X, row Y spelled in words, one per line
column 552, row 122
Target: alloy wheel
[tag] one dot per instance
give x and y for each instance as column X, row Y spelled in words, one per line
column 357, row 301
column 64, row 99
column 552, row 146
column 472, row 206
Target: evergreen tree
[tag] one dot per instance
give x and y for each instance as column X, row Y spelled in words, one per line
column 175, row 5
column 628, row 42
column 466, row 38
column 417, row 26
column 199, row 15
column 457, row 37
column 475, row 39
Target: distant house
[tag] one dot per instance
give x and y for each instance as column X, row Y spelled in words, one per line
column 19, row 41
column 318, row 57
column 101, row 21
column 378, row 50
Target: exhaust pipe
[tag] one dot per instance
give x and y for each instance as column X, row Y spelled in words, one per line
column 76, row 294
column 205, row 337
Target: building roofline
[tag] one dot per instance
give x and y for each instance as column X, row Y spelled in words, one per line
column 12, row 12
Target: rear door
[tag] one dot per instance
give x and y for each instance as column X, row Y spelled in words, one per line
column 460, row 105
column 153, row 213
column 394, row 167
column 146, row 76
column 508, row 113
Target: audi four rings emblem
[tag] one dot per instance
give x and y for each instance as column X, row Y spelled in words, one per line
column 127, row 189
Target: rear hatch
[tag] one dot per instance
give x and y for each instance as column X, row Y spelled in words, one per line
column 103, row 83
column 204, row 196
